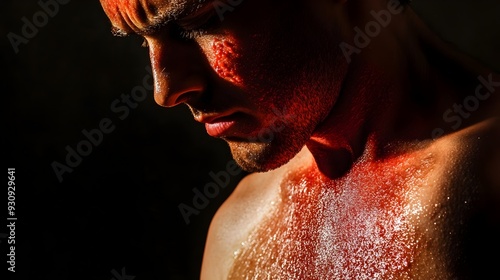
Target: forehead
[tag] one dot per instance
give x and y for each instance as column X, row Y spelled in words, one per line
column 129, row 15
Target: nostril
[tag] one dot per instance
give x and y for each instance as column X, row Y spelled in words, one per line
column 187, row 97
column 177, row 93
column 172, row 94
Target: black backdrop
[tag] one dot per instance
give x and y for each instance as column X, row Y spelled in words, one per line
column 116, row 213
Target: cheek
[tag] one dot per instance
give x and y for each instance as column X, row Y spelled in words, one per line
column 225, row 60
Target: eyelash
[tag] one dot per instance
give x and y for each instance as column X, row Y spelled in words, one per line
column 191, row 33
column 184, row 34
column 197, row 28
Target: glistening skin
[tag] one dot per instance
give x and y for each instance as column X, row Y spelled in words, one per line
column 355, row 184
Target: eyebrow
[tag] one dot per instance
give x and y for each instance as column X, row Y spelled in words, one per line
column 157, row 23
column 177, row 9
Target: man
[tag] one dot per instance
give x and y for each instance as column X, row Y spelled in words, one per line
column 372, row 141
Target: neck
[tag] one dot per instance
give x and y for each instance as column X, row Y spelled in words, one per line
column 395, row 91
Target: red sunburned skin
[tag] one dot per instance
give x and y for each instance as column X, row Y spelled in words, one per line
column 116, row 8
column 224, row 57
column 360, row 227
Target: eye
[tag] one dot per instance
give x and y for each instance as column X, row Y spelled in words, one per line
column 197, row 26
column 192, row 34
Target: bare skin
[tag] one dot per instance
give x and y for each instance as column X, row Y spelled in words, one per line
column 351, row 183
column 420, row 218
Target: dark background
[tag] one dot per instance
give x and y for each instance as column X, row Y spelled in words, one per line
column 119, row 207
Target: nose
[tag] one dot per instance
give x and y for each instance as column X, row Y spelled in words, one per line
column 177, row 71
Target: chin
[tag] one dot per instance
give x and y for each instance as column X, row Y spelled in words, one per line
column 263, row 157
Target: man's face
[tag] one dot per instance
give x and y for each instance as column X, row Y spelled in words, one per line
column 261, row 74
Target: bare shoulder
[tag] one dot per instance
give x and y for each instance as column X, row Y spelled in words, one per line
column 249, row 203
column 476, row 147
column 472, row 156
column 468, row 183
column 234, row 220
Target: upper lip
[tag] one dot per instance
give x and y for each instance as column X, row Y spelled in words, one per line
column 211, row 117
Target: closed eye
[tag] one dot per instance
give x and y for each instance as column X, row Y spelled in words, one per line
column 198, row 25
column 190, row 27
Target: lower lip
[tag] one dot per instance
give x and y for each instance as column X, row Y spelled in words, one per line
column 219, row 129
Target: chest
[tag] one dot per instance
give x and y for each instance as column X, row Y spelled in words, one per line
column 363, row 227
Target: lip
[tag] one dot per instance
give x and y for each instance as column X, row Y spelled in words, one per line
column 233, row 125
column 220, row 127
column 217, row 125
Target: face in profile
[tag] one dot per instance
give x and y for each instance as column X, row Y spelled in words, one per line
column 261, row 75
